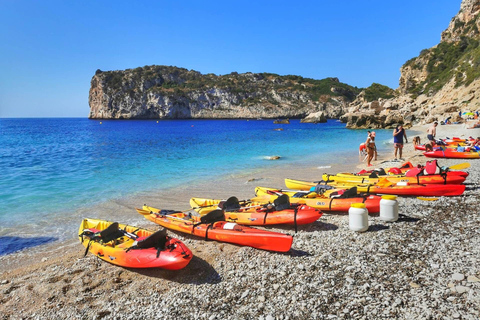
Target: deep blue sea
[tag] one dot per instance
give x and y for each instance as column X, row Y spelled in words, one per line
column 54, row 166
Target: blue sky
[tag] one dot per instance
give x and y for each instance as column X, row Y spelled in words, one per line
column 51, row 49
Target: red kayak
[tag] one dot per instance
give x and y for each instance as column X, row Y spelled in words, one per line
column 453, row 154
column 408, row 166
column 386, row 187
column 426, row 190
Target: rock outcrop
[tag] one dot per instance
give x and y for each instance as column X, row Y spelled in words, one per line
column 316, row 117
column 161, row 92
column 441, row 82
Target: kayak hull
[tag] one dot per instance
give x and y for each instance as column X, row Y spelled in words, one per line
column 222, row 231
column 175, row 257
column 257, row 215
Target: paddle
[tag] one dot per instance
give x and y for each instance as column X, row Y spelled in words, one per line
column 460, row 166
column 427, row 199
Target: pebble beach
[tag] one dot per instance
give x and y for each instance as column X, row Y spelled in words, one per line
column 424, row 266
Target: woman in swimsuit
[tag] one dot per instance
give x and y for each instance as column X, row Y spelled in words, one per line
column 371, row 148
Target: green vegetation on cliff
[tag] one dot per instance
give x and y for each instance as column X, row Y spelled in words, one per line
column 250, row 87
column 377, row 91
column 458, row 58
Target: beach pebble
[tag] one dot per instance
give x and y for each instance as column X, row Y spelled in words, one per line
column 461, row 289
column 458, row 277
column 472, row 279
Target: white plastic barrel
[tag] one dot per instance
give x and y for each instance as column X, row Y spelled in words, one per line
column 389, row 208
column 358, row 217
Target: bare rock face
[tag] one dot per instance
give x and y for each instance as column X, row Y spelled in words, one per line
column 317, row 117
column 161, row 92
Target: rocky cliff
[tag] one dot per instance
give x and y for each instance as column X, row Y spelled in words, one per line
column 442, row 81
column 161, row 92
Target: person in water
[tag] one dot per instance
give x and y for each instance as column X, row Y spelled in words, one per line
column 432, row 132
column 371, row 148
column 398, row 134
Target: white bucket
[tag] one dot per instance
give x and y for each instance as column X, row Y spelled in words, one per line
column 389, row 208
column 358, row 217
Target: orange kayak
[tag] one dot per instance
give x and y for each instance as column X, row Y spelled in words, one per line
column 453, row 154
column 323, row 202
column 257, row 213
column 133, row 247
column 222, row 231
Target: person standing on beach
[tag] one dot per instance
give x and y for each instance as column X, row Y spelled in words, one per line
column 371, row 148
column 398, row 134
column 432, row 132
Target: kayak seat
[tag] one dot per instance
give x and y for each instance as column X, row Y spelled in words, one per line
column 231, row 204
column 213, row 216
column 155, row 240
column 112, row 232
column 282, row 202
column 350, row 193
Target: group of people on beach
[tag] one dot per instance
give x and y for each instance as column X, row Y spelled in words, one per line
column 369, row 149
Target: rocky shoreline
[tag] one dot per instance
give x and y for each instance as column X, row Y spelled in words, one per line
column 425, row 266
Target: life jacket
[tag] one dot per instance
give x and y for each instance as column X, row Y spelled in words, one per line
column 413, row 172
column 431, row 167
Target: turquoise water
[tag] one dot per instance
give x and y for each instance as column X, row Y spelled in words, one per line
column 52, row 166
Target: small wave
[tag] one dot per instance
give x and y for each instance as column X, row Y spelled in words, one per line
column 324, row 167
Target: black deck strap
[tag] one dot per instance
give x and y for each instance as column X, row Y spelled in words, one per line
column 295, row 210
column 206, row 232
column 368, row 188
column 88, row 247
column 363, row 179
column 444, row 176
column 364, row 199
column 265, row 217
column 330, row 204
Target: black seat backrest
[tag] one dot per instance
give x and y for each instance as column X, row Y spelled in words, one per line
column 282, row 202
column 110, row 233
column 155, row 240
column 350, row 193
column 213, row 216
column 231, row 204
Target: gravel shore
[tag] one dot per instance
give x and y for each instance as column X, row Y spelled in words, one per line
column 424, row 266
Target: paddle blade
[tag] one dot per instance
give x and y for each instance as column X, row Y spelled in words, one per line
column 427, row 199
column 143, row 212
column 460, row 166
